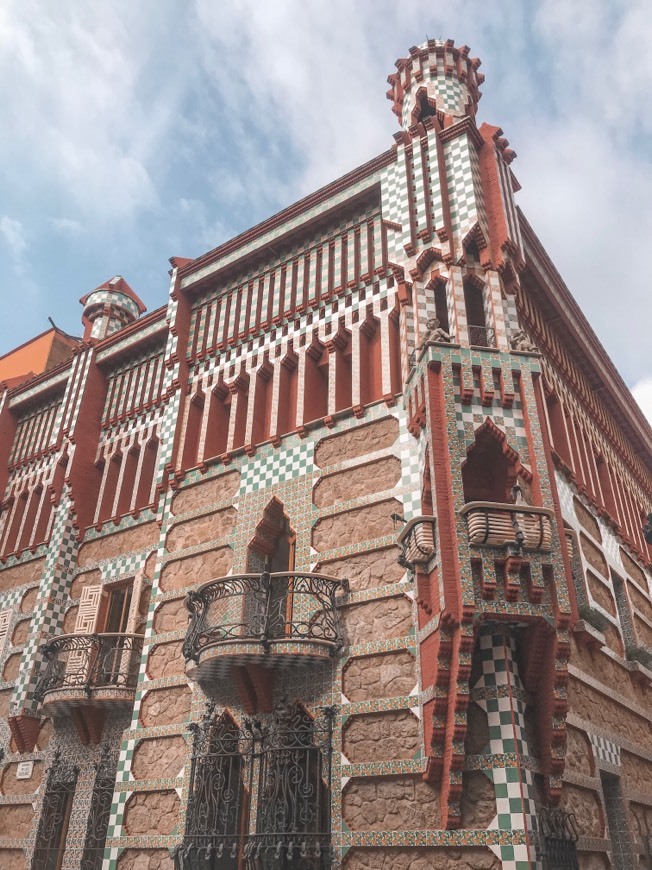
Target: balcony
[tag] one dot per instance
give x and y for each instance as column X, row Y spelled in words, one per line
column 89, row 670
column 491, row 524
column 269, row 619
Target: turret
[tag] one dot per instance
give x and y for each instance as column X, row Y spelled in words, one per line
column 109, row 307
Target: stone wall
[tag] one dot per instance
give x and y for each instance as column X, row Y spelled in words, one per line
column 21, row 632
column 84, row 579
column 168, row 706
column 393, row 803
column 478, row 800
column 587, row 520
column 12, row 665
column 12, row 859
column 152, row 812
column 28, row 600
column 359, row 481
column 600, row 593
column 578, row 752
column 352, row 527
column 585, row 804
column 606, row 713
column 21, row 575
column 377, row 620
column 210, row 527
column 636, row 773
column 634, row 571
column 16, row 818
column 166, row 660
column 385, row 736
column 159, row 758
column 10, row 785
column 207, row 492
column 357, row 442
column 197, row 569
column 381, row 676
column 367, row 570
column 145, row 859
column 171, row 616
column 420, row 859
column 128, row 541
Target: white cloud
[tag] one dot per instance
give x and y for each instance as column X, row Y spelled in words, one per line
column 642, row 392
column 67, row 226
column 13, row 233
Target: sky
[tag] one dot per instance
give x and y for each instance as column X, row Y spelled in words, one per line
column 132, row 132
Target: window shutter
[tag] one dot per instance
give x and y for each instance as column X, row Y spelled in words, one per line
column 90, row 605
column 5, row 620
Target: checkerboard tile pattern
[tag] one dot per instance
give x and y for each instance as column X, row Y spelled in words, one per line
column 500, row 694
column 49, row 607
column 604, row 751
column 276, row 466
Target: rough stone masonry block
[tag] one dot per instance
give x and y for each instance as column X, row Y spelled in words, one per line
column 196, row 569
column 166, row 660
column 11, row 785
column 169, row 706
column 578, row 752
column 10, row 671
column 145, row 859
column 359, row 481
column 84, row 579
column 392, row 803
column 211, row 527
column 389, row 736
column 478, row 800
column 171, row 616
column 390, row 675
column 20, row 575
column 585, row 805
column 421, row 859
column 355, row 526
column 12, row 859
column 159, row 758
column 152, row 812
column 377, row 620
column 21, row 632
column 211, row 491
column 129, row 541
column 367, row 570
column 28, row 600
column 357, row 442
column 16, row 818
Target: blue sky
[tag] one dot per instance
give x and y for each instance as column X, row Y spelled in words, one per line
column 137, row 131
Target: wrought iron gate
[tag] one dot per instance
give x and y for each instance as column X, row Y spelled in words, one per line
column 557, row 839
column 259, row 795
column 55, row 812
column 98, row 819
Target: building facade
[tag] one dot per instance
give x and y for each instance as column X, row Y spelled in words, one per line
column 337, row 558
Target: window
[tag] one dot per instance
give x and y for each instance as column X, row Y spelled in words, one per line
column 98, row 818
column 55, row 815
column 288, row 759
column 557, row 839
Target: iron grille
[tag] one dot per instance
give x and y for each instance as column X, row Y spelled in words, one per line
column 482, row 336
column 557, row 839
column 264, row 608
column 98, row 818
column 286, row 763
column 55, row 813
column 90, row 661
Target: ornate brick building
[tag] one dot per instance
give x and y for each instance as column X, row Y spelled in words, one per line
column 337, row 557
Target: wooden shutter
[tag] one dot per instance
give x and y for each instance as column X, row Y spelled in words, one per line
column 5, row 620
column 90, row 607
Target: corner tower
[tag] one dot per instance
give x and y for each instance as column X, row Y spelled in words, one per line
column 109, row 307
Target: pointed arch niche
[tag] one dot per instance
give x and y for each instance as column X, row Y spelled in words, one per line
column 273, row 544
column 492, row 468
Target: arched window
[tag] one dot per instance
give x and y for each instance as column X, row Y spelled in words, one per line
column 490, row 471
column 272, row 550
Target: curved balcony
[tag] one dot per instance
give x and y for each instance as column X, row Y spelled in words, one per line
column 491, row 524
column 268, row 619
column 98, row 670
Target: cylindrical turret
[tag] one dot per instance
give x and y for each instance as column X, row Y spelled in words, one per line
column 437, row 77
column 109, row 307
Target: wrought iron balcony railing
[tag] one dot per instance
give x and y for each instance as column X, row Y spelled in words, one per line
column 557, row 839
column 264, row 609
column 493, row 524
column 482, row 336
column 90, row 662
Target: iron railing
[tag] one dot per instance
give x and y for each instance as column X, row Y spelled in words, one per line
column 494, row 524
column 55, row 813
column 100, row 812
column 482, row 336
column 287, row 763
column 263, row 608
column 557, row 839
column 90, row 661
